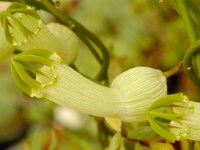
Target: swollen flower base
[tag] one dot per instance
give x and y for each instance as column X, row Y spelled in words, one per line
column 41, row 73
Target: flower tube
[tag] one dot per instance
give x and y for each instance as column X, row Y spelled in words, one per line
column 42, row 74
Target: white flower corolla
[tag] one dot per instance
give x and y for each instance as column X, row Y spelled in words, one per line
column 127, row 99
column 55, row 37
column 24, row 29
column 139, row 87
column 175, row 117
column 189, row 123
column 19, row 23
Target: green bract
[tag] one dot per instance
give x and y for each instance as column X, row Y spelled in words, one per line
column 19, row 23
column 175, row 117
column 24, row 30
column 190, row 120
column 30, row 64
column 42, row 74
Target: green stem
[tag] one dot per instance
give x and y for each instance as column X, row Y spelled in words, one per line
column 35, row 3
column 90, row 46
column 80, row 31
column 192, row 34
column 187, row 61
column 174, row 70
column 185, row 14
column 194, row 10
column 85, row 35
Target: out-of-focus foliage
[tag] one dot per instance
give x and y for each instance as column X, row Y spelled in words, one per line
column 136, row 32
column 11, row 120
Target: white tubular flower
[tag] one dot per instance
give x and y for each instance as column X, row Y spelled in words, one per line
column 189, row 121
column 42, row 74
column 175, row 117
column 24, row 29
column 55, row 37
column 19, row 22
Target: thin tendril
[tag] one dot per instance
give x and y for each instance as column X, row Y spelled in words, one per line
column 187, row 61
column 89, row 37
column 185, row 14
column 192, row 34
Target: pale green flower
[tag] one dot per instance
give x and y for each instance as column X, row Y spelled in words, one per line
column 19, row 22
column 42, row 74
column 175, row 117
column 24, row 29
column 139, row 87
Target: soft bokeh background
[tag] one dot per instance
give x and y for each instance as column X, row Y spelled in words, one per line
column 136, row 32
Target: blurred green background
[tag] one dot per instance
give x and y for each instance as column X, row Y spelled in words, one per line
column 136, row 32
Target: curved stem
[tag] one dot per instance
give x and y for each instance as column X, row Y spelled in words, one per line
column 79, row 28
column 192, row 34
column 185, row 14
column 35, row 3
column 187, row 61
column 90, row 46
column 173, row 70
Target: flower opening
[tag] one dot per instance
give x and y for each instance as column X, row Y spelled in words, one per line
column 167, row 116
